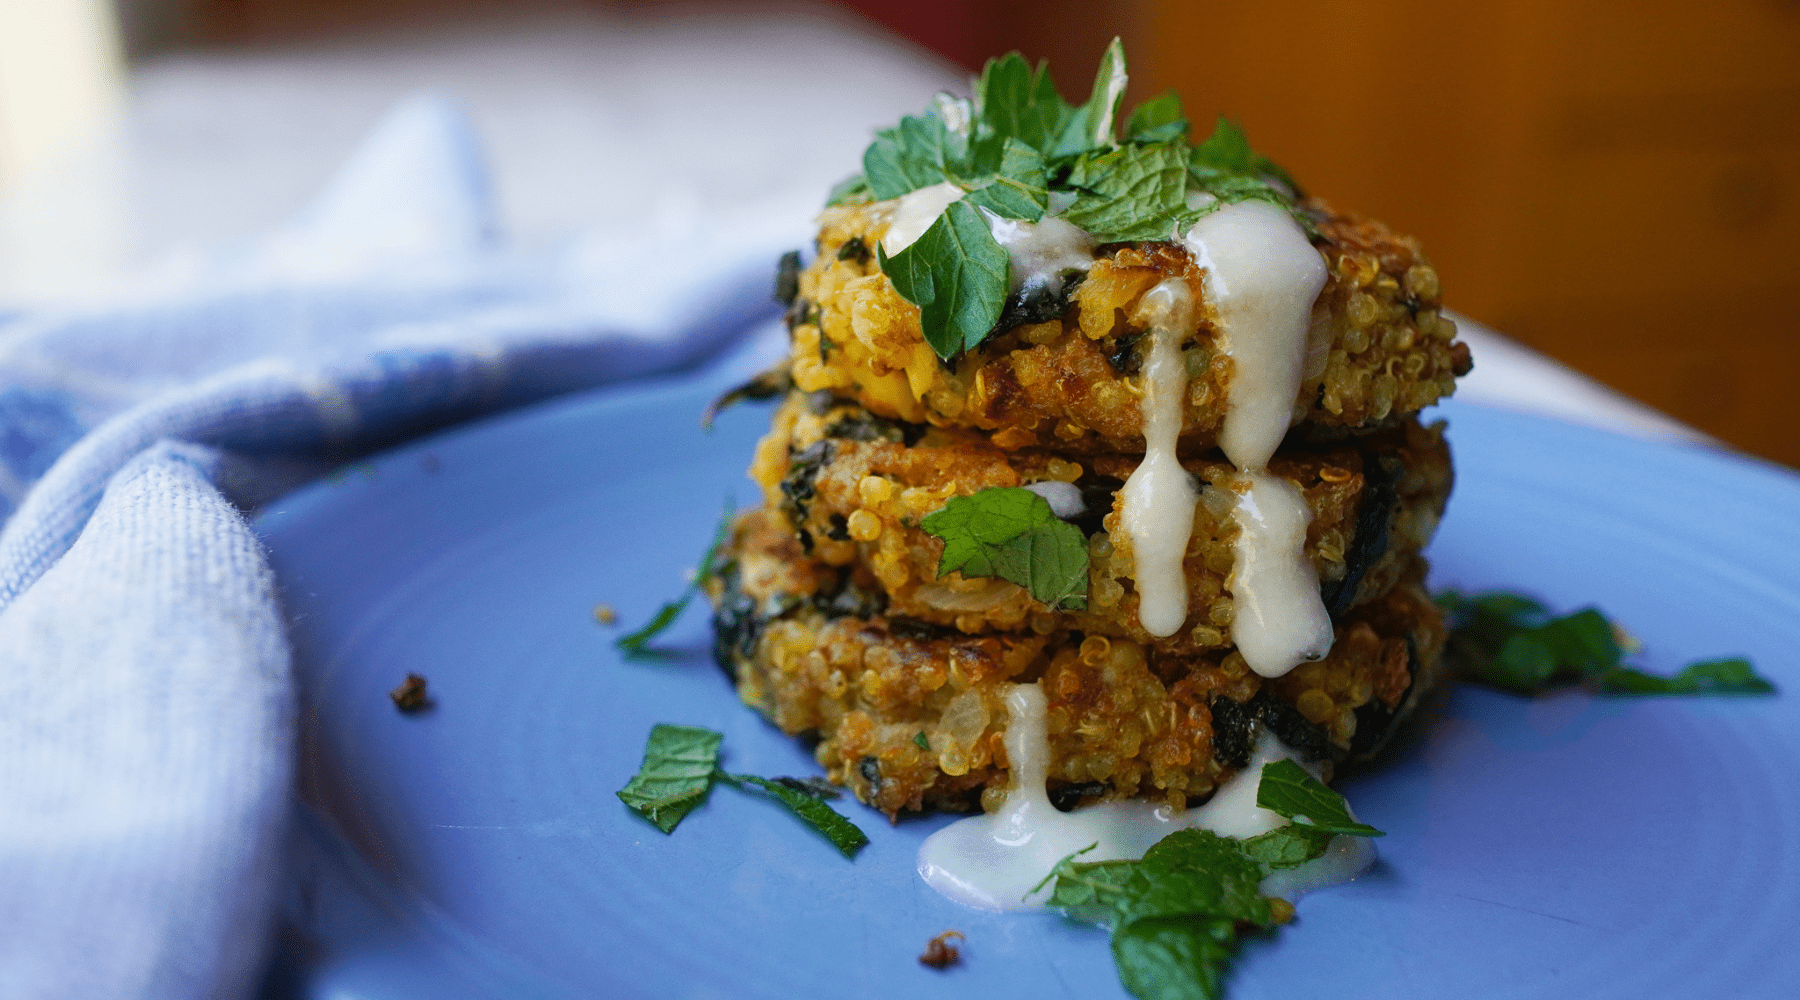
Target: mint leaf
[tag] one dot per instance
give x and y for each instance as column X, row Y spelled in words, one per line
column 911, row 155
column 850, row 191
column 1160, row 119
column 1103, row 103
column 1287, row 846
column 1011, row 533
column 636, row 646
column 1131, row 193
column 1011, row 182
column 1014, row 101
column 1174, row 959
column 680, row 765
column 1174, row 915
column 1287, row 789
column 1727, row 676
column 843, row 834
column 1512, row 642
column 1227, row 149
column 957, row 275
column 677, row 772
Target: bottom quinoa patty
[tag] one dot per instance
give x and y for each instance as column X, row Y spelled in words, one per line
column 911, row 715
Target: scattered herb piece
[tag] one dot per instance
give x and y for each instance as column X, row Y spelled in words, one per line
column 411, row 695
column 681, row 763
column 605, row 615
column 1728, row 676
column 1287, row 789
column 1011, row 533
column 678, row 769
column 940, row 953
column 815, row 786
column 777, row 381
column 636, row 646
column 787, row 278
column 921, row 741
column 1512, row 642
column 843, row 834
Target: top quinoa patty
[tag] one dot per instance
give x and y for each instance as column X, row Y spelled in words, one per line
column 1063, row 374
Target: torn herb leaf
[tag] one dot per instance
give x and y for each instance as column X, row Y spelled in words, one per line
column 636, row 646
column 682, row 762
column 1728, row 676
column 1174, row 915
column 921, row 741
column 1287, row 789
column 843, row 834
column 911, row 155
column 1011, row 533
column 850, row 191
column 1131, row 193
column 957, row 275
column 1512, row 642
column 1159, row 119
column 679, row 762
column 1287, row 846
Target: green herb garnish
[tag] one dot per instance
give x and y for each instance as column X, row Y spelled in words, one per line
column 1017, row 141
column 1512, row 642
column 681, row 763
column 956, row 273
column 843, row 834
column 1287, row 789
column 636, row 646
column 921, row 741
column 1011, row 533
column 1175, row 915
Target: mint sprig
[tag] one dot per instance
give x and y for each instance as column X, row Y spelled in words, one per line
column 1011, row 533
column 957, row 275
column 681, row 764
column 1513, row 642
column 1176, row 914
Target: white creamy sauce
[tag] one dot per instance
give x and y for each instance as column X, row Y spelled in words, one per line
column 1041, row 251
column 994, row 861
column 1278, row 618
column 1262, row 277
column 914, row 212
column 1064, row 498
column 1159, row 496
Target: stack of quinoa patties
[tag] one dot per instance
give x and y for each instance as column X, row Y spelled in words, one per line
column 835, row 622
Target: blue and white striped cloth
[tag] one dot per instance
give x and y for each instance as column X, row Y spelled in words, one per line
column 146, row 710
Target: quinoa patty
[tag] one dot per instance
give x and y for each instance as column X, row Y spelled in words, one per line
column 911, row 716
column 1063, row 373
column 852, row 488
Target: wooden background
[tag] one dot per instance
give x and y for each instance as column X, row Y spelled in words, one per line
column 1614, row 183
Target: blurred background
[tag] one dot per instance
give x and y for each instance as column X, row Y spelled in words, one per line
column 1616, row 184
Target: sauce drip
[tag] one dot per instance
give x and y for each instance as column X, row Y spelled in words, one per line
column 1262, row 277
column 1159, row 497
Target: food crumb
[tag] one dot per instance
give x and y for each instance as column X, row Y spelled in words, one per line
column 1280, row 910
column 410, row 696
column 605, row 615
column 940, row 953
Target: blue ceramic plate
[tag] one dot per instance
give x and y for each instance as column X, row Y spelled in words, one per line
column 1561, row 847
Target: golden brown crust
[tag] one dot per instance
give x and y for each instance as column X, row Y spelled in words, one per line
column 1381, row 348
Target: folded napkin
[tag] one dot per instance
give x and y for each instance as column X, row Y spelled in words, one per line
column 146, row 704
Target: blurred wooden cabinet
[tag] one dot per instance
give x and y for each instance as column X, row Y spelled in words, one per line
column 1616, row 184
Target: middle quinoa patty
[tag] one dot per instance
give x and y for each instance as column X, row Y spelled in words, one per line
column 852, row 488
